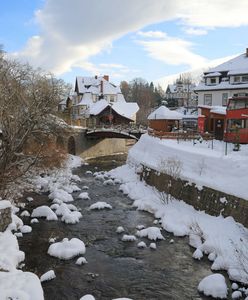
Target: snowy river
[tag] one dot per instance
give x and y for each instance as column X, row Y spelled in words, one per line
column 115, row 268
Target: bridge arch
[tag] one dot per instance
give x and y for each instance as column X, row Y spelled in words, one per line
column 71, row 145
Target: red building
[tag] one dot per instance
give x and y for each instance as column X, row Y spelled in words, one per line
column 236, row 121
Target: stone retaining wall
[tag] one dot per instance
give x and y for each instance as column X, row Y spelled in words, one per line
column 5, row 218
column 211, row 201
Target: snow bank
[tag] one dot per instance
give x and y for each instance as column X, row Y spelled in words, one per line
column 152, row 233
column 200, row 163
column 213, row 285
column 100, row 205
column 5, row 204
column 49, row 275
column 20, row 285
column 67, row 249
column 222, row 239
column 10, row 255
column 44, row 211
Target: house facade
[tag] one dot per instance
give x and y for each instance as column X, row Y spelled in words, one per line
column 97, row 101
column 225, row 81
column 180, row 94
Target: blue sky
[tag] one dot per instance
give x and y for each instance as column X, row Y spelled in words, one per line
column 152, row 39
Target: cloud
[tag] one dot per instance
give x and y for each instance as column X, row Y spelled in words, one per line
column 152, row 34
column 195, row 73
column 195, row 31
column 173, row 51
column 71, row 32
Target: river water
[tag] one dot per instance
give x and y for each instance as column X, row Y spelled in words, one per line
column 115, row 268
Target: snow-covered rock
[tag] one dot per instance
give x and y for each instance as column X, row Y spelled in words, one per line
column 67, row 249
column 87, row 297
column 213, row 285
column 20, row 285
column 152, row 233
column 120, row 229
column 117, row 181
column 153, row 246
column 84, row 196
column 54, row 206
column 236, row 295
column 34, row 220
column 85, row 188
column 44, row 211
column 108, row 182
column 139, row 227
column 30, row 199
column 72, row 207
column 25, row 213
column 88, row 172
column 212, row 256
column 171, row 241
column 141, row 245
column 61, row 195
column 81, row 261
column 71, row 217
column 49, row 275
column 197, row 254
column 235, row 286
column 128, row 238
column 18, row 234
column 26, row 229
column 100, row 205
column 62, row 210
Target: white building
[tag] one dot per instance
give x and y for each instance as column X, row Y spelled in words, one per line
column 92, row 95
column 227, row 80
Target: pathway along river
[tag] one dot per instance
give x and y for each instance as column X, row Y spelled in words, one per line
column 115, row 268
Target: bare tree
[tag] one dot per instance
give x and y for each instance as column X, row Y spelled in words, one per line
column 28, row 97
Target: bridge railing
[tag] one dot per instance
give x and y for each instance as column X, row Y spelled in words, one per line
column 118, row 128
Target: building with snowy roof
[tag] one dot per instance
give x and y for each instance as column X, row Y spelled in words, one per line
column 220, row 83
column 97, row 101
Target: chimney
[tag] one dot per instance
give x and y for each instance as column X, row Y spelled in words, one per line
column 101, row 88
column 246, row 52
column 95, row 76
column 106, row 77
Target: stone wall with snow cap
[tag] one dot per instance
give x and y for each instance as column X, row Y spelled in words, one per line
column 5, row 214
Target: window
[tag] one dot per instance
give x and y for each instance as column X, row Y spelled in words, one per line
column 236, row 79
column 208, row 99
column 244, row 78
column 224, row 99
column 213, row 80
column 112, row 98
column 238, row 104
column 235, row 124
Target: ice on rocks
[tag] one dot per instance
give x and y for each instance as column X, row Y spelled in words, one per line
column 26, row 229
column 213, row 285
column 128, row 238
column 81, row 261
column 44, row 211
column 197, row 254
column 61, row 195
column 67, row 249
column 25, row 213
column 84, row 196
column 152, row 233
column 153, row 246
column 34, row 220
column 120, row 229
column 100, row 205
column 49, row 275
column 141, row 245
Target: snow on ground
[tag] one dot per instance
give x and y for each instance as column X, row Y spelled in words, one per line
column 67, row 249
column 213, row 285
column 152, row 233
column 44, row 211
column 49, row 275
column 222, row 239
column 100, row 205
column 200, row 164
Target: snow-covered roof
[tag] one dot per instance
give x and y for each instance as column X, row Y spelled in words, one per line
column 126, row 109
column 98, row 107
column 223, row 85
column 213, row 74
column 94, row 85
column 238, row 72
column 237, row 63
column 164, row 113
column 86, row 100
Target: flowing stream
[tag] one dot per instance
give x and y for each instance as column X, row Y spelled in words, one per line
column 115, row 268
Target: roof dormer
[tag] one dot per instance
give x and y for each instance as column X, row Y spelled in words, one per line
column 212, row 78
